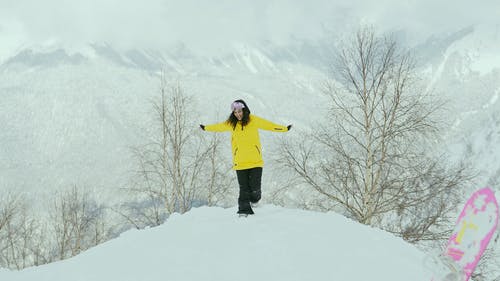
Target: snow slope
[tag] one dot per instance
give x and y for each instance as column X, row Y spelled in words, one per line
column 214, row 244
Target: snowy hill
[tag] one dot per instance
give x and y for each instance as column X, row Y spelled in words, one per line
column 214, row 244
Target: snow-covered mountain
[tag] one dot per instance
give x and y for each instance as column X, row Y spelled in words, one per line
column 70, row 116
column 465, row 71
column 212, row 244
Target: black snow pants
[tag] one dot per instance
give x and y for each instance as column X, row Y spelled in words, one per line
column 249, row 181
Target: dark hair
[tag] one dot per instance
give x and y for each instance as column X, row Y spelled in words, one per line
column 246, row 116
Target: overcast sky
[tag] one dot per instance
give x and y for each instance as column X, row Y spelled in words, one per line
column 210, row 25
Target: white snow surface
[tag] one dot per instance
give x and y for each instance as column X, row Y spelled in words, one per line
column 212, row 243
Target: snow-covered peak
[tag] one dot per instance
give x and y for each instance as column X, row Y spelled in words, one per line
column 238, row 57
column 476, row 47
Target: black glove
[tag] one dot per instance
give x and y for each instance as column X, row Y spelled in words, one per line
column 202, row 127
column 289, row 127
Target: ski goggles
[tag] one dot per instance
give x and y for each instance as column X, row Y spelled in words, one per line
column 237, row 105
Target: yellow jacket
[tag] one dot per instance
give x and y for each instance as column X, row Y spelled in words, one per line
column 245, row 142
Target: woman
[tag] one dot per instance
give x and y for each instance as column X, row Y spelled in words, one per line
column 246, row 147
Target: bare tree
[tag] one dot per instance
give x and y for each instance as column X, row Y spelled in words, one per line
column 78, row 222
column 10, row 207
column 372, row 159
column 21, row 241
column 218, row 185
column 178, row 167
